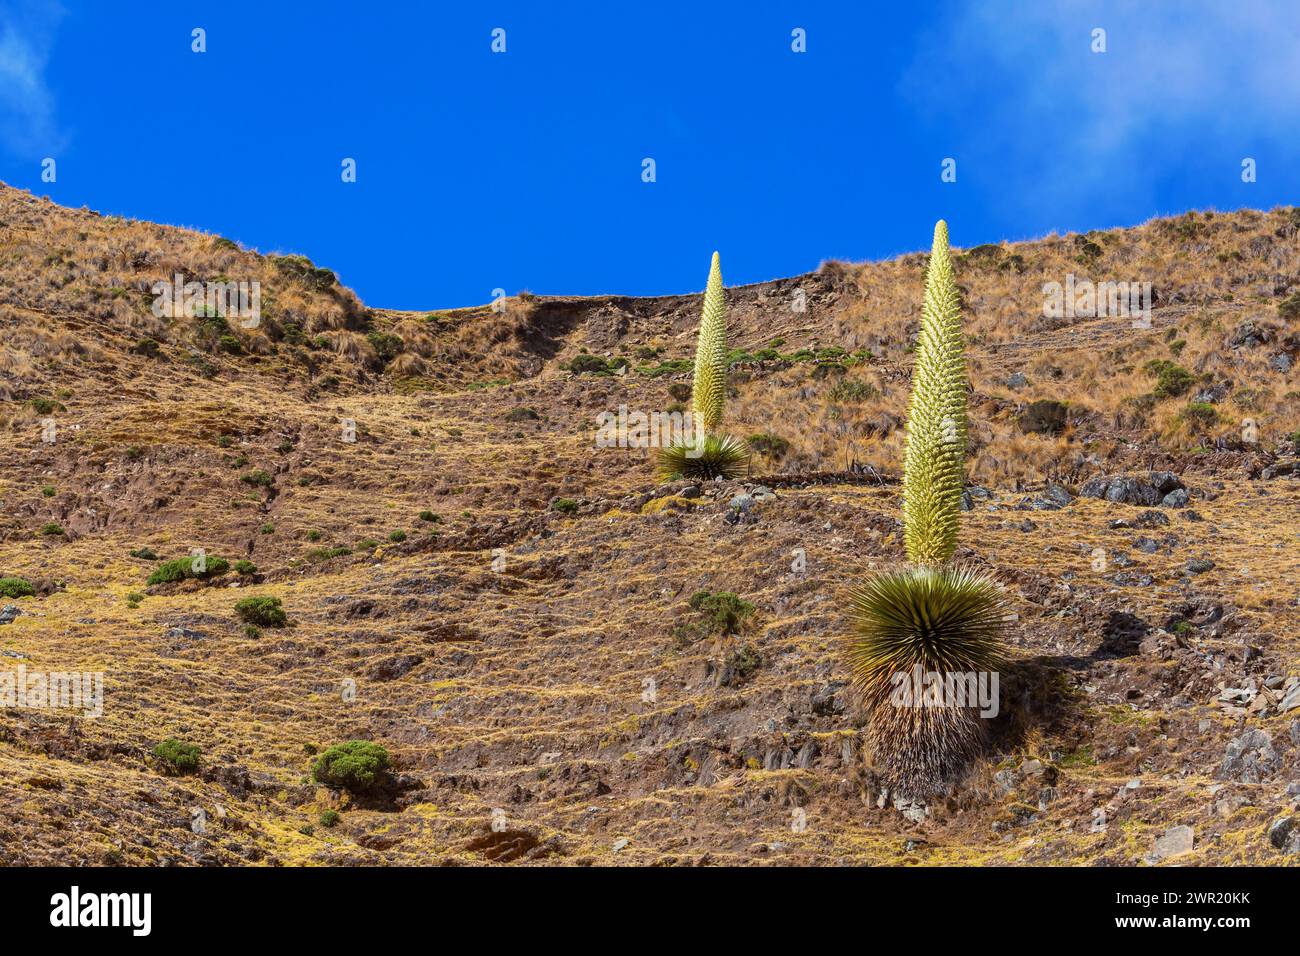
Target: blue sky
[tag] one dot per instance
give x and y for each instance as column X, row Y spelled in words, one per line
column 522, row 170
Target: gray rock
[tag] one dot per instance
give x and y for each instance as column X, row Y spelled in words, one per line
column 1281, row 362
column 1174, row 842
column 1129, row 490
column 1147, row 545
column 175, row 633
column 1175, row 499
column 742, row 503
column 690, row 491
column 1284, row 834
column 8, row 613
column 1212, row 394
column 1250, row 758
column 1249, row 335
column 1017, row 380
column 1199, row 565
column 911, row 810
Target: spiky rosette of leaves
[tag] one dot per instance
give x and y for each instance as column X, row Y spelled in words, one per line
column 710, row 385
column 713, row 456
column 934, row 462
column 945, row 621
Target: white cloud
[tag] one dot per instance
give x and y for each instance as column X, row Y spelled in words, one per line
column 27, row 107
column 1181, row 85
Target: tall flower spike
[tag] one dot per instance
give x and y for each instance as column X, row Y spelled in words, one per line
column 934, row 465
column 711, row 353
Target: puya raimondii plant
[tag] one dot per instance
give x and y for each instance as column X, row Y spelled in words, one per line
column 707, row 453
column 933, row 626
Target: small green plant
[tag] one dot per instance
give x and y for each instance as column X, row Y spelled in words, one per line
column 14, row 587
column 430, row 517
column 767, row 444
column 851, row 390
column 267, row 528
column 44, row 406
column 181, row 568
column 52, row 530
column 565, row 506
column 261, row 611
column 133, row 599
column 144, row 554
column 744, row 661
column 252, row 632
column 313, row 535
column 723, row 612
column 1172, row 380
column 1199, row 414
column 176, row 757
column 329, row 818
column 48, row 491
column 258, row 478
column 397, row 537
column 356, row 765
column 245, row 567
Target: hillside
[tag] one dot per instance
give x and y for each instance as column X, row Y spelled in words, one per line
column 504, row 606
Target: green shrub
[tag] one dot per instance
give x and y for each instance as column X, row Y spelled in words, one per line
column 16, row 588
column 262, row 611
column 365, row 544
column 765, row 443
column 397, row 537
column 176, row 756
column 1171, row 380
column 430, row 517
column 1289, row 308
column 317, row 555
column 329, row 818
column 313, row 535
column 744, row 661
column 722, row 613
column 53, row 529
column 565, row 506
column 1200, row 413
column 230, row 344
column 149, row 348
column 245, row 567
column 355, row 765
column 144, row 554
column 386, row 345
column 258, row 478
column 267, row 528
column 851, row 390
column 181, row 568
column 44, row 406
column 48, row 491
column 133, row 599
